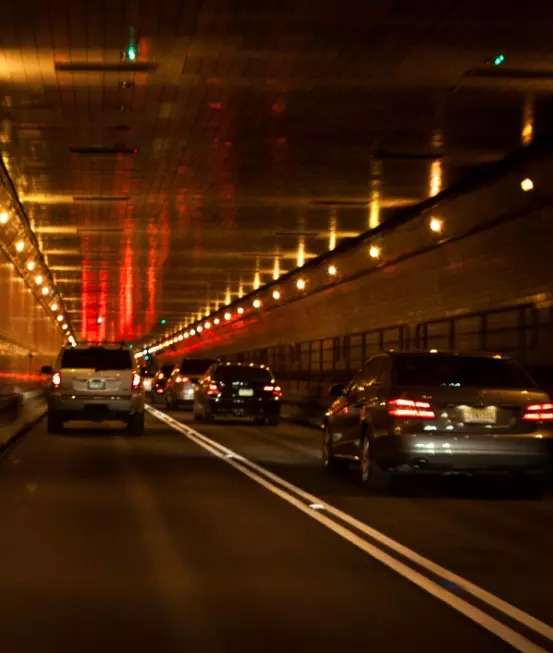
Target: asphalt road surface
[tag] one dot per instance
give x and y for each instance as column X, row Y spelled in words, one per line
column 231, row 538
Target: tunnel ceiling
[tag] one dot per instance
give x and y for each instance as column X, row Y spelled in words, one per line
column 244, row 131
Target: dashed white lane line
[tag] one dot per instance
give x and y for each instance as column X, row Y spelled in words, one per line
column 303, row 501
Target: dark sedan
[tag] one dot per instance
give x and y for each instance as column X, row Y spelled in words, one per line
column 159, row 383
column 238, row 391
column 439, row 413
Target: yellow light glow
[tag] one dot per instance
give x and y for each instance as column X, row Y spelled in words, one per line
column 256, row 303
column 192, row 332
column 276, row 294
column 332, row 233
column 200, row 328
column 64, row 326
column 374, row 251
column 256, row 280
column 527, row 131
column 332, row 270
column 186, row 335
column 216, row 320
column 207, row 325
column 375, row 198
column 300, row 284
column 39, row 280
column 300, row 259
column 435, row 182
column 59, row 318
column 276, row 268
column 20, row 245
column 527, row 184
column 31, row 266
column 227, row 316
column 4, row 217
column 436, row 225
column 54, row 307
column 45, row 290
column 240, row 310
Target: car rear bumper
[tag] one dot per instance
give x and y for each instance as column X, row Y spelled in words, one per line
column 81, row 407
column 184, row 393
column 465, row 453
column 251, row 409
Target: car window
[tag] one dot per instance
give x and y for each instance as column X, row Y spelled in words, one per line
column 228, row 373
column 98, row 358
column 461, row 371
column 197, row 366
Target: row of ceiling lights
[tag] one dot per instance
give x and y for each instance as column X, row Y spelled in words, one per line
column 435, row 224
column 35, row 274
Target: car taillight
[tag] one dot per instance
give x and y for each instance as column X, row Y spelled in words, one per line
column 410, row 409
column 182, row 379
column 136, row 381
column 212, row 389
column 56, row 379
column 160, row 376
column 275, row 389
column 538, row 413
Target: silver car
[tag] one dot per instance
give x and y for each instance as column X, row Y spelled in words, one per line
column 181, row 385
column 440, row 413
column 95, row 382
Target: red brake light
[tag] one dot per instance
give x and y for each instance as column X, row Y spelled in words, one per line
column 213, row 389
column 275, row 389
column 538, row 413
column 268, row 388
column 136, row 380
column 410, row 409
column 56, row 379
column 181, row 379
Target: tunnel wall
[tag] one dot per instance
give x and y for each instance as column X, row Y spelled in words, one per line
column 495, row 252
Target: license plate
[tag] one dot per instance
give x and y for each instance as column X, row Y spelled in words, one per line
column 245, row 392
column 96, row 384
column 480, row 415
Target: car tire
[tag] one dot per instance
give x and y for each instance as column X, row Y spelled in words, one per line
column 209, row 417
column 54, row 422
column 135, row 425
column 330, row 462
column 371, row 476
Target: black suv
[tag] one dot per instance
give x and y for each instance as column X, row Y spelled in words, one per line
column 238, row 390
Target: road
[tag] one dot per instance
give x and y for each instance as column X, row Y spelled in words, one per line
column 155, row 543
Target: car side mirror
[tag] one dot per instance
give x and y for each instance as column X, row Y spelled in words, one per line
column 336, row 390
column 47, row 369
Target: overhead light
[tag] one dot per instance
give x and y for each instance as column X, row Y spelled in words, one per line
column 31, row 266
column 207, row 325
column 332, row 270
column 200, row 328
column 180, row 337
column 276, row 294
column 527, row 184
column 257, row 303
column 4, row 217
column 45, row 290
column 300, row 284
column 228, row 316
column 39, row 280
column 59, row 318
column 240, row 310
column 54, row 307
column 499, row 60
column 20, row 245
column 99, row 319
column 192, row 332
column 186, row 335
column 64, row 326
column 374, row 251
column 436, row 225
column 216, row 320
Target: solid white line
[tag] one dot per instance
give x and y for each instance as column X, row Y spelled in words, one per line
column 272, row 482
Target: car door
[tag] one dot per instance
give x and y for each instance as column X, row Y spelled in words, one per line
column 336, row 419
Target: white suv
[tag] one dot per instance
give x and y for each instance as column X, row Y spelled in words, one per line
column 95, row 382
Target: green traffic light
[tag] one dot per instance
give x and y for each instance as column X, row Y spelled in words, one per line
column 131, row 53
column 164, row 321
column 499, row 60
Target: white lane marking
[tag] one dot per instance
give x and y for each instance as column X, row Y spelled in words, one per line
column 278, row 486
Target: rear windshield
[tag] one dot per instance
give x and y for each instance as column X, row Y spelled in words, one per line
column 97, row 358
column 461, row 371
column 242, row 373
column 195, row 365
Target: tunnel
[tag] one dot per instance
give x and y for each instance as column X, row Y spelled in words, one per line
column 307, row 190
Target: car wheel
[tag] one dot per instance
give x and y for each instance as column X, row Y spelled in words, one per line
column 330, row 462
column 370, row 474
column 209, row 418
column 135, row 425
column 54, row 422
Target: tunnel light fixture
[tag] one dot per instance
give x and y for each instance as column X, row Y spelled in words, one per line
column 436, row 225
column 45, row 290
column 207, row 325
column 99, row 319
column 228, row 316
column 39, row 279
column 181, row 337
column 257, row 303
column 20, row 245
column 374, row 251
column 332, row 270
column 4, row 217
column 300, row 284
column 200, row 328
column 192, row 332
column 64, row 325
column 216, row 320
column 240, row 310
column 186, row 335
column 31, row 265
column 59, row 318
column 276, row 294
column 54, row 307
column 527, row 184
